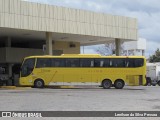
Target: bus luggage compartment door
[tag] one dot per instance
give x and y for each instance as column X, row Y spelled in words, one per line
column 135, row 80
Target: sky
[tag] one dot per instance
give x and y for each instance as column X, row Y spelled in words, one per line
column 147, row 13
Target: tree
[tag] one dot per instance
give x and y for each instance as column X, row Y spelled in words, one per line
column 109, row 49
column 106, row 49
column 155, row 57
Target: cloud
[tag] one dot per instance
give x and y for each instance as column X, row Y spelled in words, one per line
column 151, row 47
column 146, row 11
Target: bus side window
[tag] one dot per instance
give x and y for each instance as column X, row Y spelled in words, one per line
column 43, row 62
column 118, row 62
column 100, row 63
column 107, row 62
column 97, row 62
column 130, row 62
column 72, row 62
column 92, row 64
column 84, row 62
column 121, row 62
column 133, row 62
column 139, row 62
column 55, row 62
column 113, row 63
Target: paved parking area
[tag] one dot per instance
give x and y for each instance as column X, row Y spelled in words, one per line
column 139, row 98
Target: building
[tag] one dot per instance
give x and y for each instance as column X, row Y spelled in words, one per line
column 35, row 29
column 135, row 47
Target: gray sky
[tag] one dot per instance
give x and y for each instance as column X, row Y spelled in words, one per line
column 146, row 11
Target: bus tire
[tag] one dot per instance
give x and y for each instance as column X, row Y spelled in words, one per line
column 119, row 84
column 107, row 84
column 158, row 83
column 39, row 83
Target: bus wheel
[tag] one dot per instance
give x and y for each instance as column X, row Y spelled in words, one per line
column 106, row 84
column 119, row 84
column 38, row 83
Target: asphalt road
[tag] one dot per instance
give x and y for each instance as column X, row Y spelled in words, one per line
column 139, row 98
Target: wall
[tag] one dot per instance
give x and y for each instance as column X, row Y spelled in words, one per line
column 65, row 46
column 16, row 55
column 133, row 45
column 2, row 55
column 40, row 17
column 141, row 44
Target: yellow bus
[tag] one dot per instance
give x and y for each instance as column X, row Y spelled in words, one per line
column 81, row 69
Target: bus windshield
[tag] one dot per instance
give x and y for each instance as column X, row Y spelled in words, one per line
column 27, row 67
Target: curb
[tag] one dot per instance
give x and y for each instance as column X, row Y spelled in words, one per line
column 13, row 87
column 17, row 87
column 59, row 87
column 8, row 87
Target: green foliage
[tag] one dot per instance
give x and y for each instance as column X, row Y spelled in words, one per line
column 155, row 57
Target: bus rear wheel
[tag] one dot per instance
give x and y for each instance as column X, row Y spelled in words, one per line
column 39, row 83
column 107, row 84
column 119, row 84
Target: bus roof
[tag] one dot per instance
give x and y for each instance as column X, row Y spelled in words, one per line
column 82, row 56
